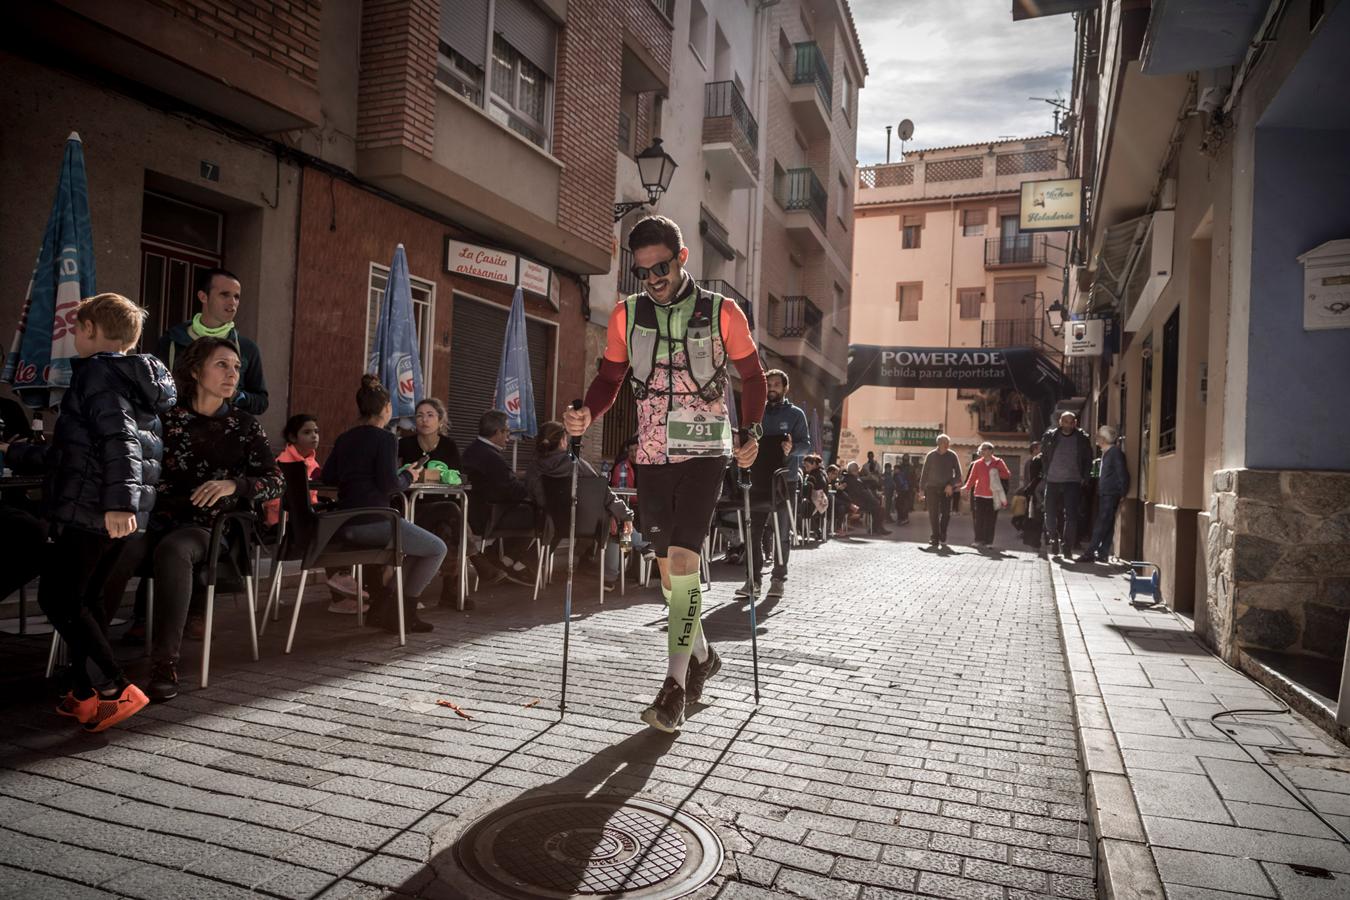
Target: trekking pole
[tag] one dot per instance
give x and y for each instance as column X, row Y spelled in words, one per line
column 743, row 480
column 574, row 450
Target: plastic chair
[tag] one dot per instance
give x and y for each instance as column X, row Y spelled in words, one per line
column 313, row 538
column 1145, row 580
column 593, row 520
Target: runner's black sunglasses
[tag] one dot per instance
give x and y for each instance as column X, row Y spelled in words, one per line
column 660, row 270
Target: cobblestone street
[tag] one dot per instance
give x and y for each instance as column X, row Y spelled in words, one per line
column 915, row 736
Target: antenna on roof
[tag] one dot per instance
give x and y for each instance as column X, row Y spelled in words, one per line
column 1060, row 106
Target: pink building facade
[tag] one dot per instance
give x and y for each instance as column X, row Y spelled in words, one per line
column 939, row 262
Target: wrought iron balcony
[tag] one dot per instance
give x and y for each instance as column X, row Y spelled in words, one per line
column 801, row 189
column 811, row 68
column 718, row 286
column 730, row 135
column 797, row 317
column 1015, row 250
column 1012, row 332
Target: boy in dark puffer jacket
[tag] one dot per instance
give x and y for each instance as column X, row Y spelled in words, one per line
column 102, row 469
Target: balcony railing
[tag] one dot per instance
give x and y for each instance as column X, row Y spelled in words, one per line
column 666, row 8
column 1012, row 332
column 718, row 286
column 801, row 189
column 811, row 67
column 722, row 99
column 797, row 317
column 1015, row 250
column 627, row 283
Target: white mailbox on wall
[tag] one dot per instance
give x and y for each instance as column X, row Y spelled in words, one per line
column 1326, row 286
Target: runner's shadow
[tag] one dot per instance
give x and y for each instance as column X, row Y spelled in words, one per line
column 731, row 620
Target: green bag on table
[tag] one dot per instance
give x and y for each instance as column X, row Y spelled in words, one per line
column 448, row 475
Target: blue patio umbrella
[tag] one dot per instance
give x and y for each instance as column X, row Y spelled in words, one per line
column 394, row 357
column 515, row 389
column 38, row 364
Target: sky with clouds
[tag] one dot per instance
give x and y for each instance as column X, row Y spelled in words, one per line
column 962, row 70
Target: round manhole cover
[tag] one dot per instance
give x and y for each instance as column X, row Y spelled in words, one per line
column 588, row 847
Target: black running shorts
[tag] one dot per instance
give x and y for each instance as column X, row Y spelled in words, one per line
column 676, row 502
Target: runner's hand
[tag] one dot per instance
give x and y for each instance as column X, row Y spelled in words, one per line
column 119, row 523
column 576, row 421
column 746, row 451
column 208, row 492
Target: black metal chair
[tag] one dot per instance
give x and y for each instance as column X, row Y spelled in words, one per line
column 491, row 526
column 314, row 539
column 593, row 521
column 230, row 565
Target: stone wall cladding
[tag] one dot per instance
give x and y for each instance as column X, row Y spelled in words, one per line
column 585, row 110
column 1278, row 561
column 283, row 34
column 396, row 101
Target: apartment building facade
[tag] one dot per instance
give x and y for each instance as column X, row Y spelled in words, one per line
column 1212, row 144
column 942, row 263
column 299, row 143
column 753, row 92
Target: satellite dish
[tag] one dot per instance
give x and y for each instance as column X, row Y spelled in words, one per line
column 906, row 130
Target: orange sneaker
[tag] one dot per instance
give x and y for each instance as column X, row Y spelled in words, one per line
column 79, row 710
column 111, row 711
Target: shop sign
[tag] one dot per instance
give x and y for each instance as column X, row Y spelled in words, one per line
column 535, row 277
column 1055, row 205
column 905, row 434
column 480, row 262
column 1085, row 337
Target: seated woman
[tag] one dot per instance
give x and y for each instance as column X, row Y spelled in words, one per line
column 553, row 461
column 301, row 433
column 439, row 515
column 216, row 460
column 364, row 468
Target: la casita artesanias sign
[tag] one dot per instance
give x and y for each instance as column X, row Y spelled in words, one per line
column 1024, row 369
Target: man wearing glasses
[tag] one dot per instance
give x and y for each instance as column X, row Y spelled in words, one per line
column 673, row 342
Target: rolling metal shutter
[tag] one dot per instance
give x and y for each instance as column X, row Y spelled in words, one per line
column 475, row 353
column 529, row 30
column 464, row 27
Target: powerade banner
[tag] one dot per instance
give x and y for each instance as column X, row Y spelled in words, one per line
column 1022, row 368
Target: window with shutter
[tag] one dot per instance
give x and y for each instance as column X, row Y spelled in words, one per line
column 475, row 352
column 911, row 231
column 907, row 297
column 973, row 222
column 969, row 300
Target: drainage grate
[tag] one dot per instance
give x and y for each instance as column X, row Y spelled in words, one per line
column 564, row 846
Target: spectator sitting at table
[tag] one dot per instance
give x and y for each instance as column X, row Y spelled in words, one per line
column 301, row 432
column 439, row 515
column 863, row 497
column 364, row 468
column 216, row 460
column 553, row 461
column 493, row 482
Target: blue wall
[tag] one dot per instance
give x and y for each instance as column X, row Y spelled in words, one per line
column 1298, row 388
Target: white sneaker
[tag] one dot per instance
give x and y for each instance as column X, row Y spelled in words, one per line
column 347, row 607
column 344, row 584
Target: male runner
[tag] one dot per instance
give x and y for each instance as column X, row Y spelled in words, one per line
column 673, row 342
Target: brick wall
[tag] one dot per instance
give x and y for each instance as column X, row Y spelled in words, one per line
column 396, row 100
column 586, row 106
column 284, row 34
column 332, row 282
column 651, row 29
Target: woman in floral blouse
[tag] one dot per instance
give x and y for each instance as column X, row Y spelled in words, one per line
column 216, row 459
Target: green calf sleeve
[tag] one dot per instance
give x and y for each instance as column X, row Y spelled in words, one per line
column 683, row 620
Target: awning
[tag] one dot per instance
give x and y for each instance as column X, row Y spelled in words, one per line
column 1024, row 369
column 1111, row 262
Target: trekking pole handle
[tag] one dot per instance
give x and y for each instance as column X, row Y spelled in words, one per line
column 574, row 445
column 743, row 475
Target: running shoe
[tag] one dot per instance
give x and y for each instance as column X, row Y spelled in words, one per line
column 749, row 589
column 775, row 590
column 346, row 607
column 699, row 673
column 79, row 710
column 164, row 681
column 112, row 710
column 667, row 711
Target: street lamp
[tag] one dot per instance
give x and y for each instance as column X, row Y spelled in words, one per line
column 1057, row 315
column 655, row 168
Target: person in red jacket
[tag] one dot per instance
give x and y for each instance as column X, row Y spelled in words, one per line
column 987, row 496
column 674, row 342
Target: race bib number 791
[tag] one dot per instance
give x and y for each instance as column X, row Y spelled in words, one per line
column 695, row 433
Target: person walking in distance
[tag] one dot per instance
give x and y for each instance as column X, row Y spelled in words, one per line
column 1112, row 484
column 938, row 481
column 987, row 496
column 673, row 341
column 1067, row 458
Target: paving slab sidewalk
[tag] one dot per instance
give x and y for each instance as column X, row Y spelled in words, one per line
column 1183, row 806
